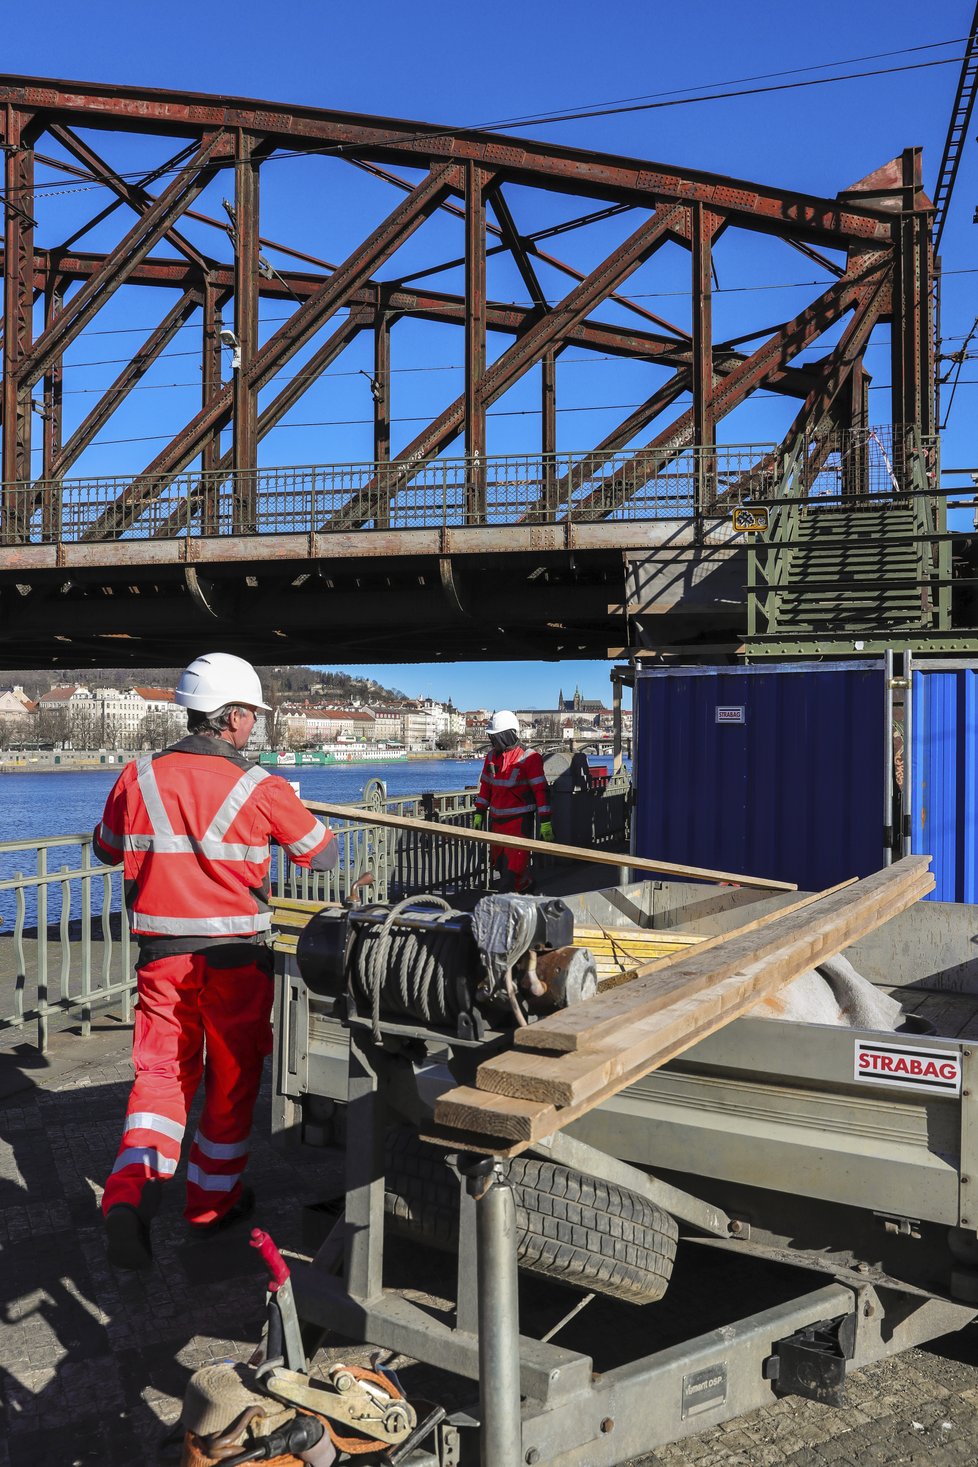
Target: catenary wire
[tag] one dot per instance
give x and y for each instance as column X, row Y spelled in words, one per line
column 499, row 413
column 647, row 295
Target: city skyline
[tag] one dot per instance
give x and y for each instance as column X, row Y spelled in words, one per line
column 489, row 684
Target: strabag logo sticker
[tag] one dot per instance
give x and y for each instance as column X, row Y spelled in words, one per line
column 909, row 1069
column 731, row 715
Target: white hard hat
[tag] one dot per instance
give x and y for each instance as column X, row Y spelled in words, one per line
column 218, row 678
column 503, row 721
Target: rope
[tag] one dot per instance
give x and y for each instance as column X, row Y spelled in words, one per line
column 418, row 970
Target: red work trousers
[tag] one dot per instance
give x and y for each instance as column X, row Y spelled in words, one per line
column 187, row 1010
column 517, row 862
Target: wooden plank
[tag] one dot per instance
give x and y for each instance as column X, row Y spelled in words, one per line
column 658, row 1036
column 568, row 1079
column 550, row 1036
column 292, row 904
column 577, row 1027
column 527, row 1119
column 474, row 1110
column 531, row 1120
column 634, row 936
column 547, row 848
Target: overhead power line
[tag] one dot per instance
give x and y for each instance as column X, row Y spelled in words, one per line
column 601, row 407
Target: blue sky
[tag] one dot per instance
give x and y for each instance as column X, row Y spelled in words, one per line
column 476, row 65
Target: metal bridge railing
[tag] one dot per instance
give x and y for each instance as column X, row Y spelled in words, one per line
column 446, row 492
column 402, row 862
column 65, row 945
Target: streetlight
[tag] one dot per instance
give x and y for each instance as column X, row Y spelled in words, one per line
column 229, row 339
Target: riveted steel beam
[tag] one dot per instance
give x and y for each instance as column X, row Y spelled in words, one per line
column 476, row 181
column 599, row 336
column 18, row 312
column 136, row 195
column 836, row 367
column 244, row 390
column 381, row 388
column 912, row 346
column 702, row 226
column 211, row 373
column 517, row 247
column 834, row 375
column 398, row 141
column 206, row 497
column 53, row 403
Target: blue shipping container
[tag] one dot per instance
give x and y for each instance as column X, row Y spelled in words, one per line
column 765, row 771
column 944, row 779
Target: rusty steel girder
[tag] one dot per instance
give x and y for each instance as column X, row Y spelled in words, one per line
column 881, row 227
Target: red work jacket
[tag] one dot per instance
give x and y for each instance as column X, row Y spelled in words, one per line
column 192, row 826
column 513, row 784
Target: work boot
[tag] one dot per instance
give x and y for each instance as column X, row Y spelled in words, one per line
column 128, row 1243
column 243, row 1208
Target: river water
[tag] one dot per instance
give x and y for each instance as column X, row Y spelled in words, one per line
column 38, row 806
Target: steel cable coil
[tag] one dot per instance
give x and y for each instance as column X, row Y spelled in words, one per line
column 413, row 972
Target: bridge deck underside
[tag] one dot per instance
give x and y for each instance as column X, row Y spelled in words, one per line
column 369, row 608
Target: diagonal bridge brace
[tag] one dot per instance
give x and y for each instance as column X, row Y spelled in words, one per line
column 136, row 195
column 814, row 416
column 525, row 352
column 182, row 515
column 131, row 374
column 791, row 381
column 314, row 312
column 773, row 356
column 124, row 259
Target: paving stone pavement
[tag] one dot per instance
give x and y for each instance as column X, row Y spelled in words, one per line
column 93, row 1363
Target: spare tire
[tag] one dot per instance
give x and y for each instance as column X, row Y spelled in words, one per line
column 569, row 1227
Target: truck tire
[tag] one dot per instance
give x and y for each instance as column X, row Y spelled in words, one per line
column 570, row 1228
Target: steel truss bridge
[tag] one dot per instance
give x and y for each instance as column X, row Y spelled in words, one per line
column 444, row 548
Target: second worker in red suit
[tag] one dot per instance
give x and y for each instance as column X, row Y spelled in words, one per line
column 512, row 795
column 192, row 827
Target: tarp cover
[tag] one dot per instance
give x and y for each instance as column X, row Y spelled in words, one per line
column 833, row 993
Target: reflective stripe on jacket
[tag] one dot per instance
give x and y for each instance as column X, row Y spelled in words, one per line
column 513, row 784
column 192, row 828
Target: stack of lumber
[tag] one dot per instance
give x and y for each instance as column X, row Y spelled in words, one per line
column 289, row 917
column 563, row 1066
column 619, row 952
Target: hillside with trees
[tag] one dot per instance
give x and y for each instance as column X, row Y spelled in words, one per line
column 280, row 683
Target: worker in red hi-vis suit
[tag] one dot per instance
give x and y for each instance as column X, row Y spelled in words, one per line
column 192, row 827
column 512, row 794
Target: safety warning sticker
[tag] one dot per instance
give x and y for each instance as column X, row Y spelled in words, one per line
column 909, row 1068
